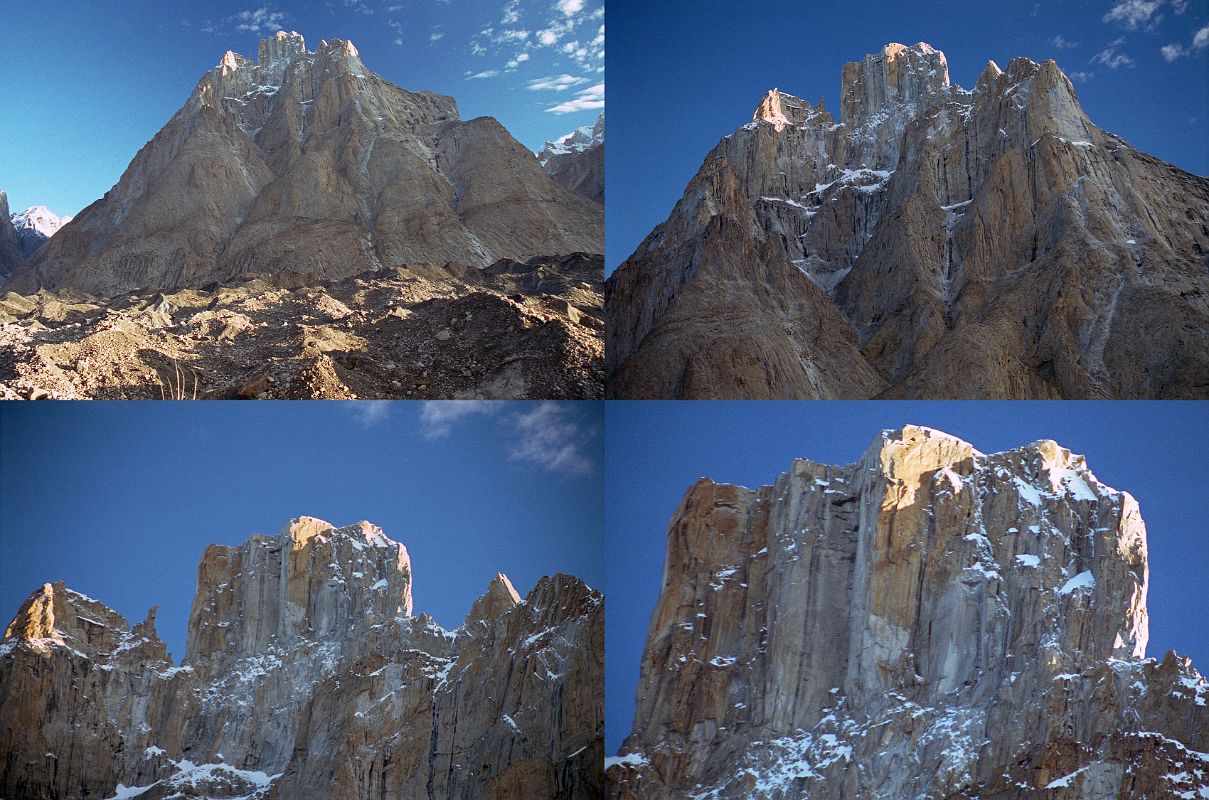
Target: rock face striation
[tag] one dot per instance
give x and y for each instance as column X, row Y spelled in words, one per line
column 577, row 161
column 306, row 676
column 927, row 622
column 932, row 241
column 302, row 167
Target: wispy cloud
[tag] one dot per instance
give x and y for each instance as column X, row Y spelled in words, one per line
column 436, row 36
column 368, row 413
column 1173, row 51
column 437, row 417
column 546, row 436
column 1082, row 77
column 570, row 7
column 1111, row 57
column 1061, row 43
column 555, row 83
column 260, row 21
column 515, row 62
column 512, row 14
column 1132, row 14
column 487, row 73
column 588, row 99
column 549, row 438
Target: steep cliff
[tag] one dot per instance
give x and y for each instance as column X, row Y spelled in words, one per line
column 927, row 622
column 302, row 167
column 306, row 676
column 933, row 241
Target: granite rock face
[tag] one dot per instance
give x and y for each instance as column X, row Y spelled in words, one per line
column 307, row 676
column 931, row 242
column 303, row 167
column 577, row 161
column 927, row 622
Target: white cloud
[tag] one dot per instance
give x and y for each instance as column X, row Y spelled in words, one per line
column 512, row 36
column 570, row 7
column 437, row 417
column 551, row 440
column 515, row 62
column 477, row 49
column 1061, row 43
column 548, row 36
column 1130, row 14
column 512, row 13
column 1173, row 51
column 1083, row 77
column 260, row 21
column 399, row 41
column 1111, row 58
column 436, row 36
column 368, row 413
column 555, row 83
column 1179, row 6
column 588, row 99
column 487, row 73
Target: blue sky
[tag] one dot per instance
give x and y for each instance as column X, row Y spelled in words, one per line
column 90, row 83
column 1157, row 451
column 120, row 499
column 685, row 73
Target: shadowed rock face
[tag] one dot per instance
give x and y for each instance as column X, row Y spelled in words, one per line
column 304, row 167
column 11, row 256
column 985, row 243
column 307, row 676
column 927, row 622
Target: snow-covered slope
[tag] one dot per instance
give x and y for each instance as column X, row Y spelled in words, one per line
column 580, row 140
column 576, row 161
column 35, row 225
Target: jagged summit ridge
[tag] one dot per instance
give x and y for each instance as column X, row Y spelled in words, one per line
column 306, row 676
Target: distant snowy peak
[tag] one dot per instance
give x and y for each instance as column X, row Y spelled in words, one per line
column 40, row 219
column 34, row 226
column 580, row 140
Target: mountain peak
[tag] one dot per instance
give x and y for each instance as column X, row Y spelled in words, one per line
column 498, row 599
column 781, row 108
column 34, row 226
column 280, row 47
column 988, row 75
